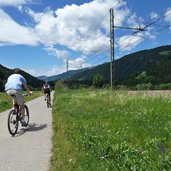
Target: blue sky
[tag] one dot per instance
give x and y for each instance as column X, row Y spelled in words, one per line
column 38, row 36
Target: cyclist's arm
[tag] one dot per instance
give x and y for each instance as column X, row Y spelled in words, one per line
column 27, row 88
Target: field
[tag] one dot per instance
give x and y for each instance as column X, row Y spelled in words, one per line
column 6, row 101
column 103, row 130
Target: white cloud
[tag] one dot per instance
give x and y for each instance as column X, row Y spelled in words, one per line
column 11, row 33
column 20, row 8
column 56, row 52
column 168, row 16
column 54, row 70
column 46, row 27
column 32, row 72
column 153, row 15
column 127, row 43
column 134, row 21
column 80, row 28
column 13, row 2
column 78, row 63
column 83, row 28
column 149, row 35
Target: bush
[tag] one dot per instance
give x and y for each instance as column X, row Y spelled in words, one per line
column 98, row 81
column 166, row 86
column 60, row 85
column 145, row 86
column 122, row 87
column 1, row 86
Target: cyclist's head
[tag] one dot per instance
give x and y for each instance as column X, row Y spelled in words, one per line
column 17, row 71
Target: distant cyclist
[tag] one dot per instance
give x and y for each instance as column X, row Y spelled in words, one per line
column 46, row 89
column 13, row 87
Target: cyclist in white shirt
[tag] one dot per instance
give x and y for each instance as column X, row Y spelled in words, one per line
column 14, row 86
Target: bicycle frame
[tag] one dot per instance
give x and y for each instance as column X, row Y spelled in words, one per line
column 16, row 108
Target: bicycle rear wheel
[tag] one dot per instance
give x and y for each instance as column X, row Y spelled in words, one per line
column 12, row 122
column 26, row 114
column 48, row 101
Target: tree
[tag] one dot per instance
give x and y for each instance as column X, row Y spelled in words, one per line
column 1, row 85
column 1, row 81
column 98, row 81
column 142, row 77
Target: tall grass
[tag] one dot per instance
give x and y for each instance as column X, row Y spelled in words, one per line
column 104, row 130
column 6, row 100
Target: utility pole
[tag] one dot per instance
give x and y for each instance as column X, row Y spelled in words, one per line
column 66, row 65
column 67, row 69
column 113, row 61
column 112, row 48
column 112, row 65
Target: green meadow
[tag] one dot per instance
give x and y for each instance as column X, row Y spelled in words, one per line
column 100, row 130
column 6, row 100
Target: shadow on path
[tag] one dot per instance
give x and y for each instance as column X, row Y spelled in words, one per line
column 36, row 127
column 31, row 127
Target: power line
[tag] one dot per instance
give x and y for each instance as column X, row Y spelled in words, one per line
column 99, row 53
column 163, row 29
column 88, row 61
column 102, row 59
column 97, row 58
column 162, row 25
column 99, row 23
column 140, row 29
column 148, row 25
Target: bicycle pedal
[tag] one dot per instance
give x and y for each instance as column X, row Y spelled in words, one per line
column 19, row 118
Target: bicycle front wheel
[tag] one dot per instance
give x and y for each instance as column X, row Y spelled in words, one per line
column 12, row 122
column 26, row 114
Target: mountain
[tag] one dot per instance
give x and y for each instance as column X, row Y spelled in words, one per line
column 62, row 76
column 43, row 77
column 154, row 63
column 5, row 72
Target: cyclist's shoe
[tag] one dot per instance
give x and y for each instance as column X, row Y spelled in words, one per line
column 23, row 123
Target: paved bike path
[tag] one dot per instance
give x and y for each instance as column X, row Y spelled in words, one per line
column 30, row 149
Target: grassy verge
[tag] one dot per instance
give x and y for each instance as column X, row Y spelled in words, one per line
column 6, row 101
column 103, row 130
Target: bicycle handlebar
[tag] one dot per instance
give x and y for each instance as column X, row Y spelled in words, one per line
column 27, row 94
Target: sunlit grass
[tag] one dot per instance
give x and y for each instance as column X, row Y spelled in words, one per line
column 104, row 130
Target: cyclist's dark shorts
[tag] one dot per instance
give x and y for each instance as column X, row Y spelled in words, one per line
column 47, row 91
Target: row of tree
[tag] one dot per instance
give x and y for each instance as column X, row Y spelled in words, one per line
column 139, row 82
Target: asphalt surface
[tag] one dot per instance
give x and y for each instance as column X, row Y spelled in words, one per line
column 30, row 148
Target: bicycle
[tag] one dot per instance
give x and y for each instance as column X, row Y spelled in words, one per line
column 48, row 100
column 14, row 117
